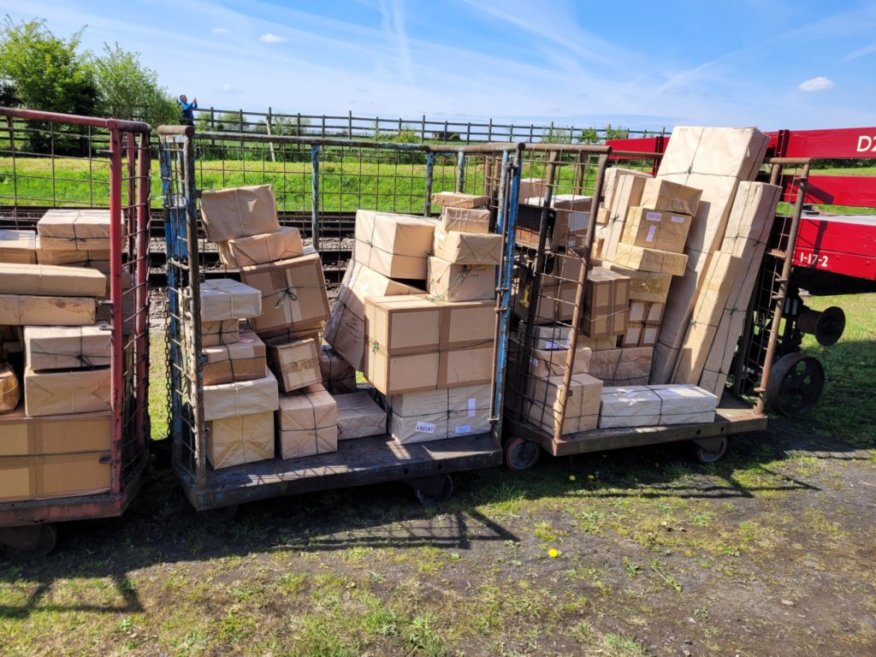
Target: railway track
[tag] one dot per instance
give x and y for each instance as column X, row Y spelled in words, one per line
column 336, row 241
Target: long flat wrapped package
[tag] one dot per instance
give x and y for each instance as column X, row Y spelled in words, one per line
column 225, row 298
column 659, row 405
column 18, row 246
column 439, row 414
column 66, row 391
column 685, row 404
column 241, row 398
column 10, row 389
column 665, row 195
column 293, row 295
column 746, row 238
column 467, row 248
column 544, row 409
column 359, row 416
column 49, row 280
column 21, row 435
column 465, row 220
column 622, row 367
column 719, row 280
column 55, row 475
column 239, row 212
column 240, row 439
column 452, row 282
column 68, row 347
column 459, row 200
column 258, row 249
column 90, row 258
column 25, row 310
column 307, row 423
column 345, row 330
column 714, row 160
column 74, row 230
column 243, row 360
column 395, row 245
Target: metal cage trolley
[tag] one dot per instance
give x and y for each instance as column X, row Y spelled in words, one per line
column 426, row 466
column 54, row 161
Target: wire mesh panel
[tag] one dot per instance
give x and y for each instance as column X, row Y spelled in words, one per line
column 52, row 161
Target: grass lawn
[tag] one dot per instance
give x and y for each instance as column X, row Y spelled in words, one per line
column 622, row 554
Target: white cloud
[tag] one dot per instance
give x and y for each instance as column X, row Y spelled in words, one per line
column 227, row 87
column 820, row 83
column 219, row 30
column 270, row 37
column 861, row 52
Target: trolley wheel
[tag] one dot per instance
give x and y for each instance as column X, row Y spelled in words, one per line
column 710, row 450
column 521, row 454
column 433, row 490
column 25, row 543
column 222, row 514
column 795, row 384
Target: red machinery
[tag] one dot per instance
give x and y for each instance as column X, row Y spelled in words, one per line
column 828, row 250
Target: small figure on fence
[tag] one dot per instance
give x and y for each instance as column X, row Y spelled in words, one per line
column 188, row 110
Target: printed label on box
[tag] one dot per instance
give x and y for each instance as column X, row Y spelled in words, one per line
column 472, row 407
column 425, row 427
column 653, row 216
column 676, row 219
column 462, row 428
column 652, row 231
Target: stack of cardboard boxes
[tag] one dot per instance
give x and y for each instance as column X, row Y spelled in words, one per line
column 56, row 355
column 416, row 314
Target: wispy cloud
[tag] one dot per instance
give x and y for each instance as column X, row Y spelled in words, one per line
column 820, row 83
column 270, row 37
column 219, row 30
column 860, row 52
column 393, row 25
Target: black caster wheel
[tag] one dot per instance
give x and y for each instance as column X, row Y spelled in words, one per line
column 26, row 543
column 795, row 384
column 433, row 490
column 710, row 450
column 521, row 454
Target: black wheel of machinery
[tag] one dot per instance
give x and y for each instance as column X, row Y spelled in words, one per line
column 41, row 547
column 521, row 454
column 435, row 492
column 710, row 450
column 795, row 384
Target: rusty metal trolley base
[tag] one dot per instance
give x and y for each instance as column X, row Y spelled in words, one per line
column 379, row 459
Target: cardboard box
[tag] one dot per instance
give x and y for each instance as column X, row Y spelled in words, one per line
column 644, row 285
column 552, row 362
column 359, row 416
column 395, row 245
column 622, row 367
column 409, row 324
column 240, row 439
column 439, row 414
column 639, row 334
column 532, row 187
column 627, row 193
column 640, row 406
column 465, row 220
column 645, row 312
column 74, row 230
column 48, row 280
column 241, row 398
column 346, row 326
column 21, row 435
column 449, row 282
column 656, row 229
column 243, row 360
column 606, row 303
column 558, row 290
column 225, row 332
column 18, row 246
column 460, row 200
column 609, row 343
column 308, row 423
column 62, row 475
column 338, row 376
column 68, row 347
column 258, row 249
column 636, row 257
column 544, row 409
column 661, row 194
column 293, row 295
column 239, row 212
column 67, row 391
column 405, row 373
column 551, row 336
column 468, row 248
column 92, row 259
column 569, row 224
column 466, row 366
column 295, row 363
column 46, row 311
column 225, row 298
column 10, row 390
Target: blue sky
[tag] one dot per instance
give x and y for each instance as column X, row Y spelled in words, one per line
column 770, row 63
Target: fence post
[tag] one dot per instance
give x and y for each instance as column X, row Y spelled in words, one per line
column 314, row 195
column 423, row 129
column 460, row 171
column 323, row 126
column 270, row 134
column 242, row 143
column 298, row 125
column 468, row 133
column 350, row 124
column 531, row 133
column 430, row 165
column 212, row 128
column 490, row 131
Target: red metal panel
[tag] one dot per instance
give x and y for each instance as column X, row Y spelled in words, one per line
column 838, row 244
column 638, row 145
column 832, row 144
column 856, row 191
